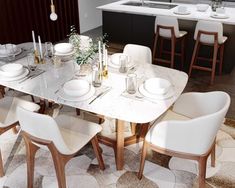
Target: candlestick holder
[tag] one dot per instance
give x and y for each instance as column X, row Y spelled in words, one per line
column 37, row 58
column 105, row 72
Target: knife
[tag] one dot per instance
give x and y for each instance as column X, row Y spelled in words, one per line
column 100, row 95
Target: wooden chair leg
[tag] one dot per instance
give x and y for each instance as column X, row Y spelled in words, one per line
column 95, row 146
column 182, row 53
column 202, row 172
column 221, row 59
column 42, row 106
column 172, row 52
column 1, row 165
column 215, row 53
column 59, row 163
column 161, row 46
column 78, row 112
column 142, row 161
column 195, row 53
column 144, row 130
column 213, row 156
column 155, row 48
column 133, row 128
column 31, row 150
column 15, row 130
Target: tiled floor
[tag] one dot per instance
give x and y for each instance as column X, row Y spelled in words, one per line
column 198, row 82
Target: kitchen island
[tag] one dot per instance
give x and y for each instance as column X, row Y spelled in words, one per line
column 135, row 24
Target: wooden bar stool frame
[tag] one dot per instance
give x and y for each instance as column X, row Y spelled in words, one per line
column 216, row 47
column 174, row 40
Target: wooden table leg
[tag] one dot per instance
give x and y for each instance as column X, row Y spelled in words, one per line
column 120, row 145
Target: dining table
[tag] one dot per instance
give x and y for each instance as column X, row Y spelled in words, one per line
column 115, row 103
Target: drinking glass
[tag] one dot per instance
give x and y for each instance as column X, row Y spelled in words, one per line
column 96, row 76
column 131, row 83
column 123, row 60
column 31, row 64
column 48, row 49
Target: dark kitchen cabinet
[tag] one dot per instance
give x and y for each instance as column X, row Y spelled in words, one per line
column 129, row 28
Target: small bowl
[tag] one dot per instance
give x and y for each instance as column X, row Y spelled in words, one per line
column 76, row 88
column 11, row 69
column 63, row 48
column 157, row 86
column 202, row 7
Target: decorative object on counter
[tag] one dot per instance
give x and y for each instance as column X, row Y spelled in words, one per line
column 85, row 49
column 216, row 4
column 53, row 15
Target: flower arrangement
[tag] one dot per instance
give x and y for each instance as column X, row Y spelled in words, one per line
column 85, row 48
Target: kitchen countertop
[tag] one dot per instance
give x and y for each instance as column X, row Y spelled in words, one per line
column 194, row 14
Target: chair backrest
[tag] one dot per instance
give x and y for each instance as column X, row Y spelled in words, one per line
column 11, row 116
column 169, row 22
column 209, row 26
column 42, row 127
column 207, row 111
column 195, row 133
column 138, row 53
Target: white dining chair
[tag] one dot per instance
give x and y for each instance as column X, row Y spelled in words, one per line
column 138, row 53
column 208, row 33
column 63, row 136
column 167, row 28
column 189, row 129
column 8, row 117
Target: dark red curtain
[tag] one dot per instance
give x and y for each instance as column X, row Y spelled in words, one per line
column 19, row 17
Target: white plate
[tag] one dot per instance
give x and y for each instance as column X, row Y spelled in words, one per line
column 17, row 52
column 157, row 86
column 63, row 48
column 182, row 13
column 66, row 97
column 219, row 16
column 24, row 74
column 76, row 87
column 64, row 54
column 169, row 94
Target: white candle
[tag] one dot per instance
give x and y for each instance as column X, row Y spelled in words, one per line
column 34, row 42
column 100, row 55
column 40, row 47
column 104, row 54
column 106, row 57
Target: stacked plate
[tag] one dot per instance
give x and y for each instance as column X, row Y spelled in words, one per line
column 156, row 88
column 77, row 90
column 64, row 49
column 9, row 49
column 115, row 63
column 12, row 72
column 219, row 15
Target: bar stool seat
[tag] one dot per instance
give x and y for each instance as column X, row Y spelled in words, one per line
column 167, row 28
column 208, row 33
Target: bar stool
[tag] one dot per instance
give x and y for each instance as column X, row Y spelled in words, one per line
column 167, row 28
column 208, row 33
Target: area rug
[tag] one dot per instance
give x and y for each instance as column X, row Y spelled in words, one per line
column 83, row 171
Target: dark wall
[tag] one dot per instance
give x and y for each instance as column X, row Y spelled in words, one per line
column 19, row 17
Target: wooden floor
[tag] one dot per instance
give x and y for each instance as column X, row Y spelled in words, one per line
column 199, row 80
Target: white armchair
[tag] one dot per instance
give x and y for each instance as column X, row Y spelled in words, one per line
column 63, row 136
column 189, row 130
column 8, row 118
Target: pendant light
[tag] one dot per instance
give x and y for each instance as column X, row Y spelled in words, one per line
column 53, row 15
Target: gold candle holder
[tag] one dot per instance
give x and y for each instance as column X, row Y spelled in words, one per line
column 37, row 58
column 105, row 72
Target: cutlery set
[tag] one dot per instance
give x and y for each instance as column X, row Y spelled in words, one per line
column 31, row 76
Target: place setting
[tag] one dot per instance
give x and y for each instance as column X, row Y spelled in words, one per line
column 13, row 72
column 151, row 89
column 11, row 52
column 121, row 61
column 182, row 10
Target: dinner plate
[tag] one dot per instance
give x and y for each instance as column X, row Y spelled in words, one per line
column 219, row 16
column 76, row 87
column 157, row 86
column 17, row 52
column 66, row 97
column 182, row 13
column 169, row 94
column 64, row 54
column 24, row 74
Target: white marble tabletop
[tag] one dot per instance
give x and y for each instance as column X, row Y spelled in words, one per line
column 112, row 104
column 194, row 14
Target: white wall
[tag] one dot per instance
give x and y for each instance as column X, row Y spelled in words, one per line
column 89, row 16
